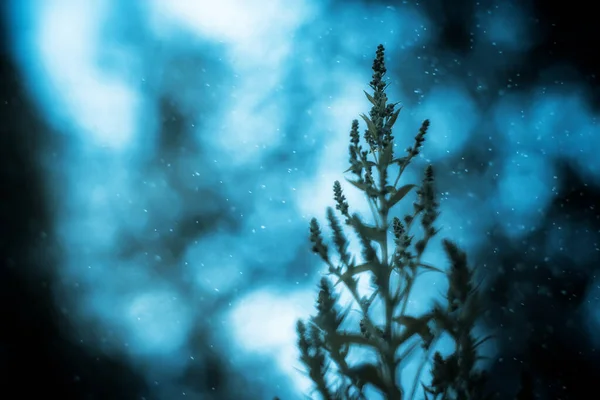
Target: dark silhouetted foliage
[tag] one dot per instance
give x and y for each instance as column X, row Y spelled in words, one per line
column 391, row 254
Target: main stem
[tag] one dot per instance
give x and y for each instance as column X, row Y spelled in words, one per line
column 394, row 392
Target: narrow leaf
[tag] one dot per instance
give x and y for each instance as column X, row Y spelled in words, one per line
column 483, row 340
column 375, row 234
column 399, row 195
column 414, row 326
column 429, row 267
column 370, row 163
column 412, row 323
column 360, row 185
column 370, row 125
column 359, row 269
column 370, row 232
column 392, row 120
column 359, row 166
column 371, row 98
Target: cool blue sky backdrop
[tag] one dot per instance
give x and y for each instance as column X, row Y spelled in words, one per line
column 202, row 136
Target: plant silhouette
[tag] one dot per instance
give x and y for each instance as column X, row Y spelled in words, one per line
column 391, row 255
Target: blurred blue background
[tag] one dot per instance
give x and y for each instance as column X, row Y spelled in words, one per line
column 190, row 142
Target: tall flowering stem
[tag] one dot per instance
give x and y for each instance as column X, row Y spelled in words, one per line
column 391, row 254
